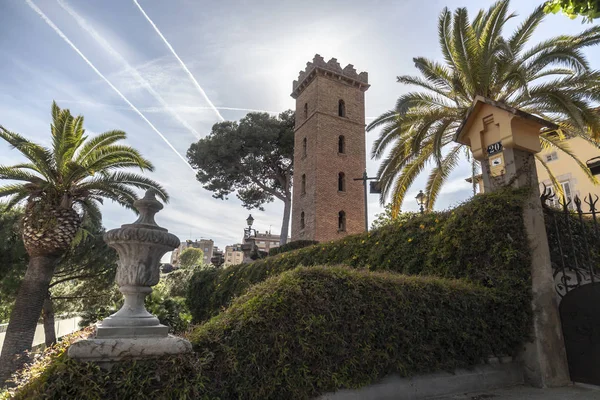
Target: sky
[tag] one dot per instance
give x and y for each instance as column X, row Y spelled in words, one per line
column 166, row 71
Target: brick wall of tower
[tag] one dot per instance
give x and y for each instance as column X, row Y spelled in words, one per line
column 322, row 127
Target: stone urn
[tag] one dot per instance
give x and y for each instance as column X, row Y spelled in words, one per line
column 132, row 331
column 140, row 246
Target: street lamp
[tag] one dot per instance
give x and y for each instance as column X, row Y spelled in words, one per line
column 248, row 231
column 421, row 199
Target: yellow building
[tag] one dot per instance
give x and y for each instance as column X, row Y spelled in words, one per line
column 566, row 170
column 568, row 173
column 233, row 255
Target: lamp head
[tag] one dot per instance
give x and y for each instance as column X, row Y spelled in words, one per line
column 420, row 198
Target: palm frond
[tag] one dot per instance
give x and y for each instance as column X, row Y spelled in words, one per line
column 524, row 31
column 35, row 153
column 439, row 175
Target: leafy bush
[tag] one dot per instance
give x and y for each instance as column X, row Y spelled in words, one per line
column 54, row 375
column 191, row 257
column 296, row 244
column 176, row 282
column 171, row 311
column 483, row 241
column 311, row 331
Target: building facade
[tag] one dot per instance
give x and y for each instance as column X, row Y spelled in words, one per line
column 206, row 245
column 234, row 255
column 329, row 151
column 264, row 241
column 572, row 179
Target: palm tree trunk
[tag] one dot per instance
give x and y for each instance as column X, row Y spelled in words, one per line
column 48, row 318
column 287, row 207
column 25, row 314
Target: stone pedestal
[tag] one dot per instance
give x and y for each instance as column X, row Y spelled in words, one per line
column 108, row 351
column 132, row 332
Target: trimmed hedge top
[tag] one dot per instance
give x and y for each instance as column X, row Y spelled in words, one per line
column 295, row 245
column 483, row 241
column 314, row 330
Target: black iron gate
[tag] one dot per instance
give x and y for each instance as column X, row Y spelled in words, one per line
column 573, row 235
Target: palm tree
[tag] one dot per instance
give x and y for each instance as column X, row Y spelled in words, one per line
column 551, row 79
column 60, row 187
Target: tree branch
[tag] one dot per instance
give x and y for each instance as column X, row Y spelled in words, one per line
column 78, row 297
column 70, row 278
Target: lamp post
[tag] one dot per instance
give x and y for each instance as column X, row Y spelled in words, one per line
column 249, row 245
column 421, row 199
column 248, row 231
column 374, row 189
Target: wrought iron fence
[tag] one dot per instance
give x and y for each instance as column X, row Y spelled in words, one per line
column 574, row 239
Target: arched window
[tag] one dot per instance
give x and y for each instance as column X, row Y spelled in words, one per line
column 341, row 144
column 341, row 108
column 304, row 147
column 342, row 182
column 305, row 110
column 342, row 221
column 302, row 220
column 303, row 184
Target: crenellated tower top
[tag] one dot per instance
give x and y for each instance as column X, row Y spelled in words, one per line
column 330, row 68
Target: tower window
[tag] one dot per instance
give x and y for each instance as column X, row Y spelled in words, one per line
column 303, row 184
column 341, row 144
column 305, row 110
column 342, row 182
column 304, row 144
column 341, row 108
column 302, row 220
column 342, row 221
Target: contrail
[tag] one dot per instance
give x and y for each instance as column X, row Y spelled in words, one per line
column 160, row 109
column 88, row 62
column 195, row 108
column 181, row 62
column 139, row 78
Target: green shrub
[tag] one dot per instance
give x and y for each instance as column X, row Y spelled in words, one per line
column 311, row 331
column 295, row 245
column 54, row 375
column 176, row 282
column 483, row 241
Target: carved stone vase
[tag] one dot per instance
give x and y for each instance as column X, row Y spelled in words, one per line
column 132, row 332
column 140, row 247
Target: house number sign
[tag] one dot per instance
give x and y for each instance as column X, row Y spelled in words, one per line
column 494, row 148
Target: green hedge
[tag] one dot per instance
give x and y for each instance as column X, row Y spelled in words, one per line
column 483, row 241
column 315, row 330
column 295, row 245
column 55, row 376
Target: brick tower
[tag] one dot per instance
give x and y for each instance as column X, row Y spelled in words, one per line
column 329, row 151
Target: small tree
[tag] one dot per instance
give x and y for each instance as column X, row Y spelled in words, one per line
column 13, row 259
column 191, row 258
column 83, row 280
column 387, row 217
column 60, row 186
column 253, row 158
